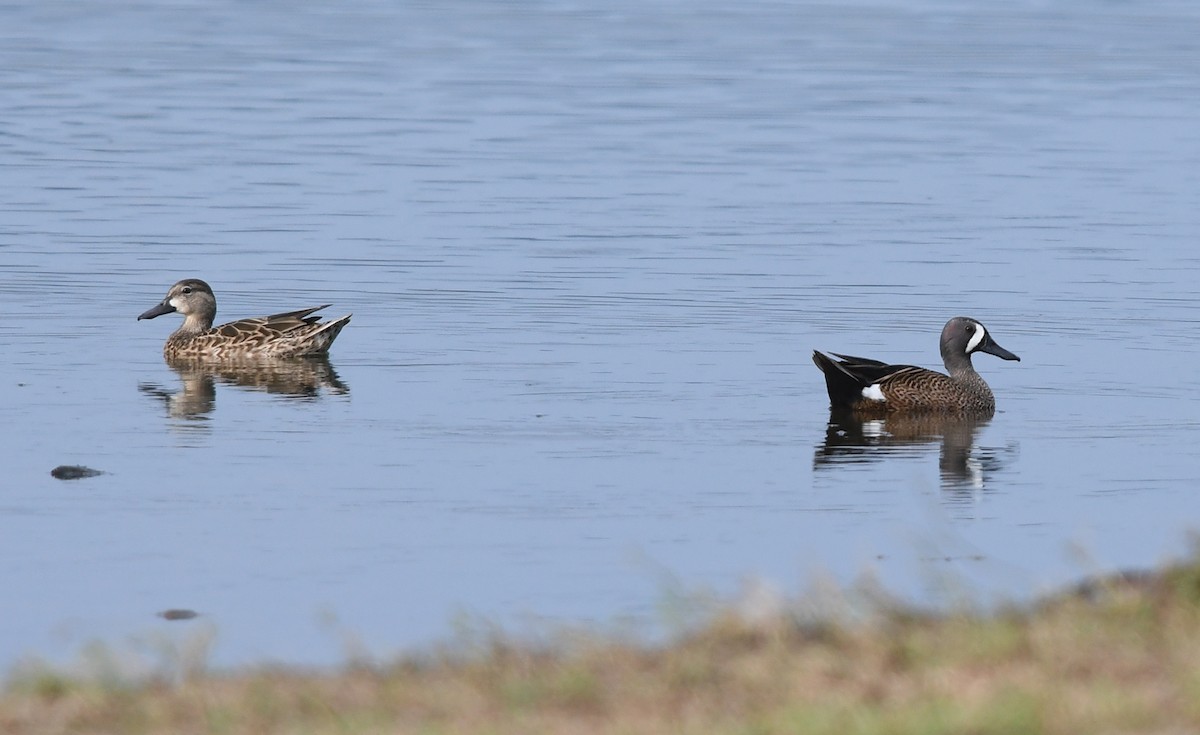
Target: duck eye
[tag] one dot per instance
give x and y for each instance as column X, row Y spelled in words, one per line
column 187, row 289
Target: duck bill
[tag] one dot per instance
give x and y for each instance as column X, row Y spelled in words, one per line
column 992, row 348
column 163, row 308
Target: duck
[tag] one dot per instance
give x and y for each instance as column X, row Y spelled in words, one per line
column 870, row 387
column 288, row 334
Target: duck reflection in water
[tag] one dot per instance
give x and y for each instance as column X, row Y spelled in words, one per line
column 305, row 378
column 851, row 438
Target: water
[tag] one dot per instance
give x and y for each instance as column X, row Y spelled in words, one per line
column 588, row 250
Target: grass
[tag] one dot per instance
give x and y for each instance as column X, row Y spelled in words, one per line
column 1118, row 655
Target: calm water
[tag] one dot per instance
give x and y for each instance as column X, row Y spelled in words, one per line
column 589, row 249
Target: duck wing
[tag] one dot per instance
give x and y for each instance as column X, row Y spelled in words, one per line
column 270, row 327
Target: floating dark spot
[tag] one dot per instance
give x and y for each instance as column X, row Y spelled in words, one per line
column 178, row 614
column 73, row 472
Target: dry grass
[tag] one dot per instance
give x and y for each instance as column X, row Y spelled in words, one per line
column 1118, row 656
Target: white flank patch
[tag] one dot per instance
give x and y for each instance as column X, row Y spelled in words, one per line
column 873, row 393
column 976, row 338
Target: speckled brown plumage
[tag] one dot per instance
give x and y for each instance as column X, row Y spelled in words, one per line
column 871, row 387
column 288, row 334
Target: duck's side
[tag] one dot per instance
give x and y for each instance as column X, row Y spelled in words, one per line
column 290, row 334
column 872, row 387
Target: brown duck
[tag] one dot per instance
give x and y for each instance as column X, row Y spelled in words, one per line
column 290, row 334
column 876, row 388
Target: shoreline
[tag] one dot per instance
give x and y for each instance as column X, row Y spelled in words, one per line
column 1119, row 653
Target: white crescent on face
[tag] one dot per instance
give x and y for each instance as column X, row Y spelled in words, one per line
column 977, row 338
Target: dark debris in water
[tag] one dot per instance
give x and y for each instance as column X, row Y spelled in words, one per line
column 73, row 472
column 178, row 614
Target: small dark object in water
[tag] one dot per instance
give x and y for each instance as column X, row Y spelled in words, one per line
column 73, row 472
column 178, row 614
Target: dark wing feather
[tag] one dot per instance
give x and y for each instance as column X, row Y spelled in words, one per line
column 850, row 359
column 846, row 377
column 272, row 326
column 844, row 386
column 868, row 372
column 299, row 314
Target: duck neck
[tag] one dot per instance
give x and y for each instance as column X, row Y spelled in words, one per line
column 193, row 324
column 958, row 364
column 963, row 372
